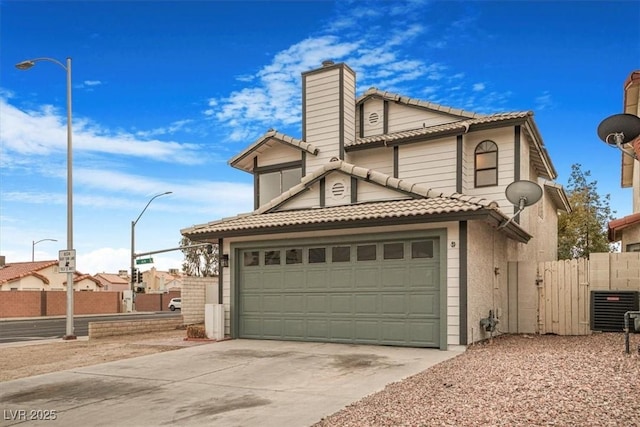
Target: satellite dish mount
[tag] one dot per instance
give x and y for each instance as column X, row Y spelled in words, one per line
column 618, row 130
column 522, row 194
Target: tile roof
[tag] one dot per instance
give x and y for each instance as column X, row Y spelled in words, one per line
column 338, row 215
column 17, row 270
column 390, row 96
column 424, row 206
column 621, row 223
column 269, row 137
column 369, row 175
column 457, row 126
column 111, row 278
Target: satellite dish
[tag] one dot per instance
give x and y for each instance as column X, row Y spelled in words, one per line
column 522, row 194
column 619, row 129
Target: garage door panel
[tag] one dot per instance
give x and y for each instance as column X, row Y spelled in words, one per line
column 394, row 304
column 366, row 304
column 251, row 327
column 272, row 304
column 367, row 330
column 341, row 278
column 252, row 304
column 422, row 277
column 425, row 303
column 340, row 304
column 367, row 278
column 294, row 328
column 317, row 304
column 393, row 276
column 364, row 299
column 293, row 304
column 317, row 278
column 252, row 281
column 272, row 278
column 294, row 279
column 341, row 329
column 272, row 327
column 317, row 329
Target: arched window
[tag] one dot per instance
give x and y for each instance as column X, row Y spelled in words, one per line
column 486, row 164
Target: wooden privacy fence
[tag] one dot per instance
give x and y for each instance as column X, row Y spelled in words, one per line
column 564, row 289
column 563, row 297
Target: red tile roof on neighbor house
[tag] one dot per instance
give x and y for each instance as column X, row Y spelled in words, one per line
column 622, row 223
column 18, row 270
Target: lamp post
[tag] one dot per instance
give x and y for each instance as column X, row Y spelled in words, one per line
column 133, row 245
column 33, row 245
column 25, row 65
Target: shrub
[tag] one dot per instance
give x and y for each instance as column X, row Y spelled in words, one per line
column 196, row 331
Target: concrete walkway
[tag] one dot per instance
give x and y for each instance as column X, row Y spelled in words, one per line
column 230, row 383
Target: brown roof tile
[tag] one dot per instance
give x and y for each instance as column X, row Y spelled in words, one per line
column 17, row 270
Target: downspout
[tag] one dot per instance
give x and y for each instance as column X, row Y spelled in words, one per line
column 220, row 269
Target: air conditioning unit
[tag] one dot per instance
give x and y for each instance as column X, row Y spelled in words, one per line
column 608, row 309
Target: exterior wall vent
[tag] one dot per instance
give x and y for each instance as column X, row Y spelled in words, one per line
column 373, row 118
column 608, row 309
column 338, row 190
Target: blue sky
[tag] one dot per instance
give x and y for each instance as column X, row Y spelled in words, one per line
column 164, row 93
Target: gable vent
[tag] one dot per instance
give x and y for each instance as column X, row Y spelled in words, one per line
column 338, row 190
column 373, row 118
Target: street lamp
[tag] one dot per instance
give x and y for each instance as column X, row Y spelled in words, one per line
column 33, row 245
column 25, row 65
column 133, row 244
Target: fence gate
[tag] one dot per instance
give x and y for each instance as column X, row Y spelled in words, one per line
column 563, row 297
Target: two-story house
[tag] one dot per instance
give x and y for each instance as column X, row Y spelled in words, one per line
column 386, row 222
column 627, row 229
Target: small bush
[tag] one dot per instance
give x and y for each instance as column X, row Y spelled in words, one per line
column 196, row 331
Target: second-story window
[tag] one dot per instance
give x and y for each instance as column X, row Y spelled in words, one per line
column 272, row 184
column 486, row 164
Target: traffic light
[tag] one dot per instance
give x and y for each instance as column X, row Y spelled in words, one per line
column 138, row 276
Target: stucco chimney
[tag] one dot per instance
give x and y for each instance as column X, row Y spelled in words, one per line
column 328, row 111
column 2, row 261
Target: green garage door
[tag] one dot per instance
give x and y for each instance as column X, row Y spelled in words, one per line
column 385, row 292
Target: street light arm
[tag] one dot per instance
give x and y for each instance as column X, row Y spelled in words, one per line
column 45, row 240
column 25, row 65
column 148, row 203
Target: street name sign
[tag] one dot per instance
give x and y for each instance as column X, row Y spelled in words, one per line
column 144, row 261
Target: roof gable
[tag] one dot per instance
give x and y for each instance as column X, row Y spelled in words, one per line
column 17, row 270
column 413, row 102
column 402, row 186
column 243, row 160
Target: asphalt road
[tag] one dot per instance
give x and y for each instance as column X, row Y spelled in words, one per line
column 55, row 327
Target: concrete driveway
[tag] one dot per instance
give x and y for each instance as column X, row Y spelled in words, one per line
column 230, row 383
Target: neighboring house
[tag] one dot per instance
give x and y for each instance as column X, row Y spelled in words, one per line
column 162, row 281
column 42, row 276
column 627, row 229
column 386, row 223
column 114, row 282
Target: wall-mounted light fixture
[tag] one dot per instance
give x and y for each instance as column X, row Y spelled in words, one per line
column 224, row 260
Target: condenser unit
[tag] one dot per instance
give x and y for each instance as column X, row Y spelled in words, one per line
column 608, row 309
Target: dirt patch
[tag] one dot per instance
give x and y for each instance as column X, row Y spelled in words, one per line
column 25, row 360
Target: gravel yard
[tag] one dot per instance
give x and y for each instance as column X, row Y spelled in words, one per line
column 515, row 380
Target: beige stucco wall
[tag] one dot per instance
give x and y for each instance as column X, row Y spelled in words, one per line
column 630, row 235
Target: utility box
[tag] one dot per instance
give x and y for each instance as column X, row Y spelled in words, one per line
column 608, row 309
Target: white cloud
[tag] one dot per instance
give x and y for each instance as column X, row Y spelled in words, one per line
column 478, row 87
column 544, row 101
column 18, row 135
